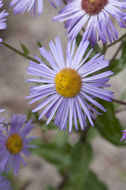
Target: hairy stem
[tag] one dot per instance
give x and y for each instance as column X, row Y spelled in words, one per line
column 19, row 52
column 104, row 49
column 116, row 53
column 84, row 134
column 119, row 102
column 121, row 38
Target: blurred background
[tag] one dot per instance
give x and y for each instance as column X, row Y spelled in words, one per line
column 109, row 161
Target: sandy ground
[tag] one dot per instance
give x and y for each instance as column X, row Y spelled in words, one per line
column 109, row 161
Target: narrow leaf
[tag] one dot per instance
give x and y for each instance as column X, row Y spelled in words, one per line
column 25, row 49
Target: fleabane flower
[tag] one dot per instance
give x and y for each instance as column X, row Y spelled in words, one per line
column 14, row 143
column 3, row 15
column 124, row 136
column 1, row 119
column 35, row 6
column 94, row 16
column 67, row 88
column 4, row 184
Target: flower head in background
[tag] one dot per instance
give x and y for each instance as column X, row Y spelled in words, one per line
column 1, row 119
column 3, row 15
column 14, row 142
column 124, row 136
column 67, row 88
column 95, row 17
column 4, row 184
column 35, row 6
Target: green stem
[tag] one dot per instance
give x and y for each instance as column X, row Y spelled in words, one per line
column 84, row 134
column 119, row 102
column 104, row 49
column 121, row 38
column 116, row 53
column 19, row 52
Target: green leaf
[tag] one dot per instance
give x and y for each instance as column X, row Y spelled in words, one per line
column 29, row 114
column 42, row 123
column 81, row 157
column 39, row 44
column 96, row 48
column 93, row 183
column 56, row 152
column 25, row 49
column 48, row 127
column 118, row 65
column 109, row 126
column 78, row 39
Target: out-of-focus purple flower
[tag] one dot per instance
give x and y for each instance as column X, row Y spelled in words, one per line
column 14, row 142
column 68, row 87
column 3, row 15
column 1, row 119
column 4, row 184
column 95, row 17
column 124, row 136
column 20, row 6
column 35, row 6
column 56, row 3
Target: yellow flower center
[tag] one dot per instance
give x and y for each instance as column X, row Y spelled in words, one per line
column 68, row 83
column 93, row 7
column 14, row 144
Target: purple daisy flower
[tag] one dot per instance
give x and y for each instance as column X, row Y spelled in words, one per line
column 20, row 6
column 4, row 184
column 1, row 119
column 66, row 88
column 124, row 136
column 3, row 15
column 14, row 142
column 95, row 17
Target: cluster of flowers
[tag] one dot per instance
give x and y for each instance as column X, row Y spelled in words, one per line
column 69, row 87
